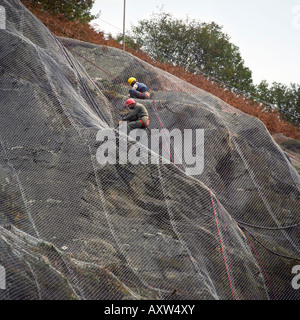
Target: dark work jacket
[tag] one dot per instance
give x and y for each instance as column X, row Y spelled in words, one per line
column 137, row 113
column 141, row 87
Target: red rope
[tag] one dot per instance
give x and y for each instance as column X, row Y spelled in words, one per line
column 227, row 242
column 97, row 66
column 260, row 264
column 292, row 157
column 221, row 244
column 209, row 189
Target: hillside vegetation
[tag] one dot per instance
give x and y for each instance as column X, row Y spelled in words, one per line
column 61, row 26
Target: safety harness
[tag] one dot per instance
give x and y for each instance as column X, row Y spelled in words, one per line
column 145, row 125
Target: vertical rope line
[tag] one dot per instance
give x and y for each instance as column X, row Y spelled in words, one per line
column 227, row 243
column 221, row 244
column 265, row 272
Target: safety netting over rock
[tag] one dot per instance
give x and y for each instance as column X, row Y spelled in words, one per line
column 73, row 227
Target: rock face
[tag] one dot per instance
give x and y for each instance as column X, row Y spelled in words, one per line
column 291, row 147
column 72, row 228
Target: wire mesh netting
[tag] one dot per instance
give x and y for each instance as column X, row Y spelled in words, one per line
column 75, row 228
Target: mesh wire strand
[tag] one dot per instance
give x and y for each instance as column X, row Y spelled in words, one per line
column 72, row 228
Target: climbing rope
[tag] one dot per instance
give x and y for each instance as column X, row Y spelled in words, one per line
column 265, row 272
column 228, row 268
column 219, row 234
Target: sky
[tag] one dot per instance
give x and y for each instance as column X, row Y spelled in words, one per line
column 267, row 32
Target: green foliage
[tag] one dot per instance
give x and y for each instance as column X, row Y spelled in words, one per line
column 286, row 98
column 204, row 47
column 193, row 45
column 129, row 42
column 71, row 9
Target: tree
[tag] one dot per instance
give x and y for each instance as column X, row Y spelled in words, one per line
column 71, row 9
column 130, row 43
column 285, row 98
column 193, row 45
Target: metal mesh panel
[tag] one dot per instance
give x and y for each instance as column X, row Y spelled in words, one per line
column 73, row 228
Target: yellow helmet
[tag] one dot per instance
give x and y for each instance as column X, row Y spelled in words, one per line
column 130, row 80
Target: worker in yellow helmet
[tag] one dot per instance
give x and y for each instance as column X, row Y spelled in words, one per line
column 139, row 90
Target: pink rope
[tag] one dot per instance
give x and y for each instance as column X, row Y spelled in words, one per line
column 221, row 245
column 227, row 243
column 209, row 189
column 260, row 263
column 97, row 66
